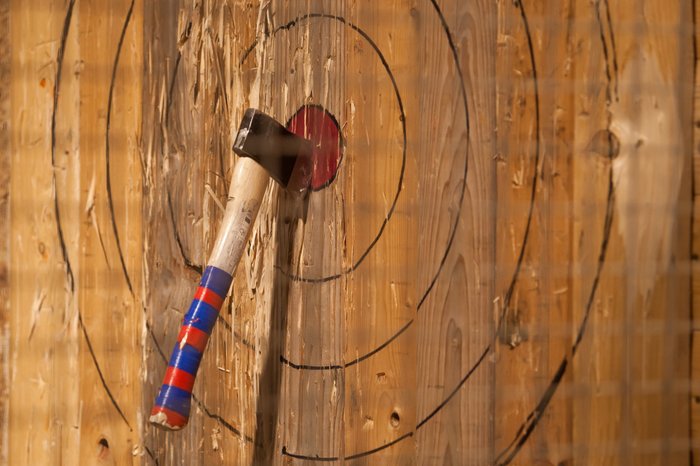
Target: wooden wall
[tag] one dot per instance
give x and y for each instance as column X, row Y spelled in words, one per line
column 502, row 272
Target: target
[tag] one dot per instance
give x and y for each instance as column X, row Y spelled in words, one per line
column 321, row 124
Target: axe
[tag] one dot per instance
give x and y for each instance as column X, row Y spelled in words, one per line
column 267, row 150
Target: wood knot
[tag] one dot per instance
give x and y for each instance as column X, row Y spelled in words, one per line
column 103, row 448
column 512, row 332
column 394, row 419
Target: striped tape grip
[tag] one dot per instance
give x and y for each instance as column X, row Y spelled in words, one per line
column 172, row 405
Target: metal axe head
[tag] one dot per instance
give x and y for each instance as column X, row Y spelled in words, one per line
column 285, row 156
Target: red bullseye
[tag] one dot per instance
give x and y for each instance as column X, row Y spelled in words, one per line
column 314, row 123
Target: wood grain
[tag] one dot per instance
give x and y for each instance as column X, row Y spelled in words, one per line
column 314, row 238
column 4, row 230
column 535, row 116
column 45, row 414
column 193, row 101
column 455, row 320
column 109, row 294
column 380, row 180
column 630, row 367
column 695, row 264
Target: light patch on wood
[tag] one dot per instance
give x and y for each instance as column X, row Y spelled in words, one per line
column 36, row 310
column 254, row 94
column 648, row 170
column 308, row 75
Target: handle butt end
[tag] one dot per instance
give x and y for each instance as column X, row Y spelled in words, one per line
column 167, row 419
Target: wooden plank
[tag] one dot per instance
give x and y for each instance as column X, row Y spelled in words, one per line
column 193, row 100
column 168, row 282
column 535, row 115
column 599, row 438
column 695, row 399
column 695, row 264
column 454, row 322
column 4, row 230
column 45, row 411
column 235, row 388
column 109, row 278
column 631, row 128
column 379, row 178
column 315, row 240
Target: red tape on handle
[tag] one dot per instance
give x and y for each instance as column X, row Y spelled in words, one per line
column 172, row 406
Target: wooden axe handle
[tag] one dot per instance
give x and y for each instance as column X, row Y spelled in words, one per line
column 172, row 406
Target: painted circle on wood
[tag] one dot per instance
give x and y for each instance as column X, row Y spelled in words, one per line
column 319, row 126
column 393, row 197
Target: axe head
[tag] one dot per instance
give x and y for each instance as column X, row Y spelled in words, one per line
column 285, row 156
